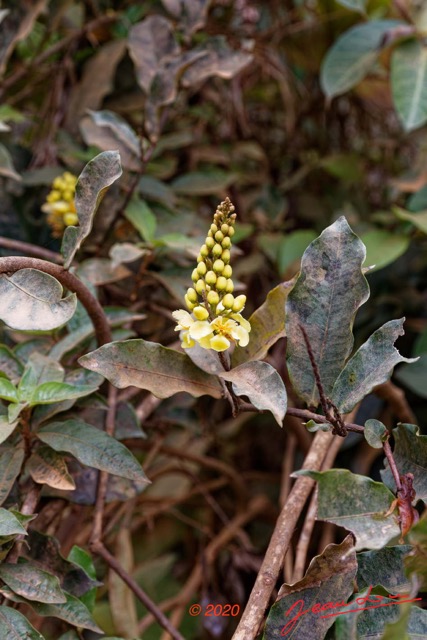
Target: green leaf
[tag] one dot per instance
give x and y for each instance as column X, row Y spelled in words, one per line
column 11, row 459
column 10, row 524
column 267, row 326
column 32, row 583
column 8, row 391
column 357, row 5
column 72, row 610
column 96, row 177
column 410, row 455
column 32, row 300
column 148, row 365
column 107, row 130
column 15, row 626
column 39, row 369
column 126, row 252
column 370, row 366
column 328, row 292
column 83, row 559
column 414, row 376
column 359, row 506
column 50, row 392
column 291, row 248
column 383, row 247
column 409, row 83
column 143, row 219
column 375, row 433
column 91, row 447
column 418, row 219
column 384, row 567
column 261, row 383
column 10, row 364
column 329, row 578
column 203, row 184
column 416, row 560
column 353, row 55
column 46, row 466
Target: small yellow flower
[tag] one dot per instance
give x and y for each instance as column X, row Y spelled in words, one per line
column 59, row 206
column 216, row 322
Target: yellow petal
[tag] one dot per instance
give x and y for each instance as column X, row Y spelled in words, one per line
column 241, row 320
column 241, row 335
column 200, row 329
column 183, row 318
column 219, row 343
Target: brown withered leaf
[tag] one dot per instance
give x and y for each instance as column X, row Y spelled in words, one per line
column 46, row 466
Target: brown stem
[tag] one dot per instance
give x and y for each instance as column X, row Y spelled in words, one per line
column 306, row 415
column 316, row 371
column 31, row 249
column 140, row 594
column 11, row 264
column 389, row 455
column 273, row 561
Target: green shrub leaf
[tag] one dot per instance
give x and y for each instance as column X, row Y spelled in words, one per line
column 10, row 524
column 409, row 83
column 15, row 626
column 32, row 583
column 375, row 433
column 11, row 459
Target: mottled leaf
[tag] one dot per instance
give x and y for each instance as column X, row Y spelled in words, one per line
column 409, row 83
column 46, row 466
column 150, row 366
column 261, row 383
column 191, row 14
column 32, row 583
column 10, row 364
column 329, row 579
column 353, row 55
column 96, row 177
column 15, row 626
column 10, row 524
column 11, row 459
column 324, row 300
column 375, row 433
column 359, row 506
column 267, row 326
column 370, row 366
column 216, row 58
column 106, row 130
column 32, row 300
column 384, row 567
column 91, row 447
column 410, row 455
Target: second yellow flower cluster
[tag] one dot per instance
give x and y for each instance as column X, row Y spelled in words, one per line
column 59, row 205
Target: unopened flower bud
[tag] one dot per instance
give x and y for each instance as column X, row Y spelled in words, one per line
column 230, row 286
column 195, row 275
column 225, row 256
column 239, row 303
column 218, row 266
column 227, row 271
column 210, row 278
column 213, row 298
column 216, row 251
column 190, row 305
column 225, row 228
column 200, row 313
column 226, row 243
column 219, row 236
column 204, row 251
column 200, row 287
column 70, row 219
column 221, row 283
column 228, row 301
column 201, row 268
column 231, row 231
column 210, row 242
column 200, row 258
column 192, row 295
column 214, row 228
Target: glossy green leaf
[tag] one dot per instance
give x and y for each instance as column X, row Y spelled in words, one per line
column 46, row 466
column 39, row 369
column 83, row 559
column 150, row 366
column 49, row 392
column 91, row 447
column 267, row 326
column 329, row 290
column 359, row 506
column 409, row 83
column 418, row 219
column 10, row 524
column 370, row 366
column 261, row 383
column 143, row 219
column 384, row 567
column 353, row 55
column 414, row 376
column 383, row 247
column 329, row 579
column 11, row 459
column 8, row 391
column 96, row 177
column 32, row 300
column 107, row 130
column 15, row 626
column 32, row 583
column 375, row 433
column 197, row 183
column 410, row 455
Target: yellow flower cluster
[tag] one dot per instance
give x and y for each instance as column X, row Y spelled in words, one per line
column 215, row 322
column 59, row 205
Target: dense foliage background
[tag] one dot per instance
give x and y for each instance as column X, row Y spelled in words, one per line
column 237, row 98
